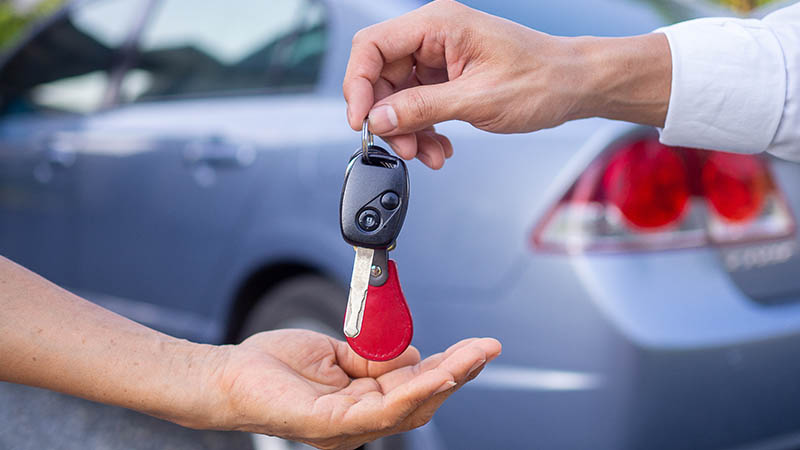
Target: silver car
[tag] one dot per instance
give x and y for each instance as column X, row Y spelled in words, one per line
column 181, row 162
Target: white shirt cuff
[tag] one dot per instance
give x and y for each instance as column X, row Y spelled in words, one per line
column 728, row 85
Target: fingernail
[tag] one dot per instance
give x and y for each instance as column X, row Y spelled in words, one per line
column 475, row 367
column 447, row 385
column 382, row 119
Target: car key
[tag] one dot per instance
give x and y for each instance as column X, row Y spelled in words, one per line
column 373, row 206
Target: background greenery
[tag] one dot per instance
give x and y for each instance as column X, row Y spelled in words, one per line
column 744, row 6
column 14, row 20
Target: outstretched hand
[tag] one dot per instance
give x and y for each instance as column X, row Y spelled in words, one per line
column 295, row 384
column 308, row 387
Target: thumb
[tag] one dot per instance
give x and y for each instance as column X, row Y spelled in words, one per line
column 414, row 109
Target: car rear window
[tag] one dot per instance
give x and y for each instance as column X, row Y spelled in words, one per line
column 585, row 17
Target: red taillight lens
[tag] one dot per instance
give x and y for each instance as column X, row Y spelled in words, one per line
column 641, row 194
column 735, row 185
column 648, row 183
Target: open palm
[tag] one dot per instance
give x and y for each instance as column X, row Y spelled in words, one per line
column 306, row 386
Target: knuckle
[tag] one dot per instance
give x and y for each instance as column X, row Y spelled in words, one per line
column 445, row 3
column 358, row 37
column 448, row 6
column 361, row 36
column 468, row 39
column 421, row 106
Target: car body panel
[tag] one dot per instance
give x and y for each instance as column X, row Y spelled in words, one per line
column 37, row 228
column 766, row 272
column 169, row 207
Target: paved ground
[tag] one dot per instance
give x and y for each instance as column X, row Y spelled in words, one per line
column 33, row 418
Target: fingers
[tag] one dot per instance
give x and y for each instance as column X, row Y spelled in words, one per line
column 392, row 380
column 430, row 150
column 461, row 361
column 363, row 412
column 434, row 360
column 415, row 108
column 405, row 145
column 449, row 375
column 425, row 411
column 374, row 414
column 406, row 398
column 428, row 146
column 412, row 113
column 446, row 145
column 426, row 74
column 357, row 367
column 372, row 49
column 387, row 64
column 478, row 352
column 398, row 74
column 417, row 37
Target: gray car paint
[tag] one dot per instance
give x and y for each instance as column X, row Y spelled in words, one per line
column 629, row 350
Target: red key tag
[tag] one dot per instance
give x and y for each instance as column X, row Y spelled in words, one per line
column 386, row 329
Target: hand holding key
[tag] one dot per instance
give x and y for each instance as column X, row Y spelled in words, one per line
column 446, row 61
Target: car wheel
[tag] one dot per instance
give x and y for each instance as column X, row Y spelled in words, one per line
column 313, row 303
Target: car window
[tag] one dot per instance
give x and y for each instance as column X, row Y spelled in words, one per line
column 586, row 17
column 67, row 66
column 210, row 47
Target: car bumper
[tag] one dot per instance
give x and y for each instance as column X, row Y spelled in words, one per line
column 655, row 350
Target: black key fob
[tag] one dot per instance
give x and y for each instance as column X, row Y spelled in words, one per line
column 374, row 198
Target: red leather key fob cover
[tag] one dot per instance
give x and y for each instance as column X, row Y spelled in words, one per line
column 386, row 329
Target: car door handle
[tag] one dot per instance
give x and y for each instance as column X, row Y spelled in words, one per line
column 60, row 153
column 219, row 153
column 57, row 154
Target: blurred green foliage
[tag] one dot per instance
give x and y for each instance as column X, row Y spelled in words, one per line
column 13, row 21
column 743, row 6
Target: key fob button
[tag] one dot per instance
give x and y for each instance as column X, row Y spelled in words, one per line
column 390, row 200
column 369, row 219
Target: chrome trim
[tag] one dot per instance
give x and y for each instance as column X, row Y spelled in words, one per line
column 535, row 379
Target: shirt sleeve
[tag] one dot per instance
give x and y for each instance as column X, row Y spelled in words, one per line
column 736, row 84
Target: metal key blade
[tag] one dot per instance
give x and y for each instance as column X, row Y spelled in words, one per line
column 359, row 283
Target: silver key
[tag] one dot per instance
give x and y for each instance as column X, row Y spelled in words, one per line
column 359, row 284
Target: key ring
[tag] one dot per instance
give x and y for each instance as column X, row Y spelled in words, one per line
column 367, row 140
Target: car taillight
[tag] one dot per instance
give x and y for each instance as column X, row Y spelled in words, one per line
column 642, row 195
column 648, row 184
column 735, row 185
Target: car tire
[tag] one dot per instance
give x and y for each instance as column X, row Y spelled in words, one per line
column 310, row 302
column 307, row 301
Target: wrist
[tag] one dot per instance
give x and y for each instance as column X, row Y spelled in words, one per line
column 623, row 78
column 195, row 397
